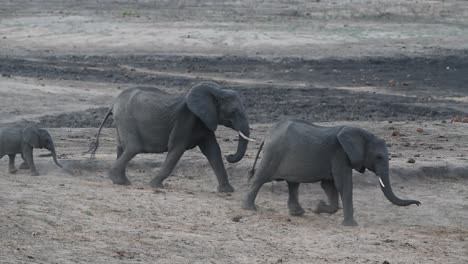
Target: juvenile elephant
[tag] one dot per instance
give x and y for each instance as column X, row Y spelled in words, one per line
column 149, row 120
column 20, row 139
column 300, row 152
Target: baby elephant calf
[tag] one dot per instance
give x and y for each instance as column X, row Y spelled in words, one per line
column 21, row 139
column 300, row 152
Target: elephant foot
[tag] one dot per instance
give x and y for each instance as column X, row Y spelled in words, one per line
column 349, row 222
column 296, row 211
column 12, row 170
column 24, row 166
column 121, row 182
column 119, row 179
column 156, row 183
column 323, row 207
column 248, row 206
column 34, row 173
column 227, row 188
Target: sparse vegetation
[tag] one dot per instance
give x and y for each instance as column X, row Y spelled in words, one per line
column 130, row 13
column 89, row 213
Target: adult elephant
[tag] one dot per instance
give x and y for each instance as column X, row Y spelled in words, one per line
column 300, row 152
column 149, row 120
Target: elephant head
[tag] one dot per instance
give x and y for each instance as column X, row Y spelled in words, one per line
column 214, row 106
column 366, row 151
column 40, row 138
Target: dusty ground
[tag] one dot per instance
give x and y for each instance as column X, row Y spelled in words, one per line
column 381, row 65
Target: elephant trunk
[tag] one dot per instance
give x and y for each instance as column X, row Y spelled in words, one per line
column 244, row 133
column 54, row 154
column 387, row 190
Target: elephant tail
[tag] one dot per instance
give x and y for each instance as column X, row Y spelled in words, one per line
column 252, row 171
column 94, row 145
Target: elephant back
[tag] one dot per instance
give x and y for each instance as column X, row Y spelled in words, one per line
column 147, row 112
column 143, row 103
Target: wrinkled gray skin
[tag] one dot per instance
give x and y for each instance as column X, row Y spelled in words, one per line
column 300, row 152
column 149, row 120
column 18, row 139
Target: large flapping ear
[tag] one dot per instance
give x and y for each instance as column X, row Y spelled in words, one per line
column 353, row 142
column 201, row 100
column 43, row 133
column 31, row 136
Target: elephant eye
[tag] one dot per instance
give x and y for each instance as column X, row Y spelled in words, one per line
column 379, row 157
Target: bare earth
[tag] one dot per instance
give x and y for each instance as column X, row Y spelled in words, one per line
column 385, row 66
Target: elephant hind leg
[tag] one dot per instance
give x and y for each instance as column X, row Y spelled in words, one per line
column 120, row 150
column 261, row 177
column 332, row 193
column 11, row 164
column 120, row 147
column 117, row 172
column 293, row 200
column 265, row 173
column 248, row 202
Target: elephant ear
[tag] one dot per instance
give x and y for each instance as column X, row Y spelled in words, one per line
column 201, row 100
column 31, row 136
column 353, row 142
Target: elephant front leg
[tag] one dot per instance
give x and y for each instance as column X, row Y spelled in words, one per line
column 210, row 148
column 332, row 193
column 169, row 164
column 11, row 164
column 344, row 184
column 28, row 156
column 293, row 200
column 24, row 165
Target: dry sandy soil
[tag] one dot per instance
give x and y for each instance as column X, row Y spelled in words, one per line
column 382, row 65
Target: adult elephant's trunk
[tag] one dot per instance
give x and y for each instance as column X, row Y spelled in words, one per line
column 54, row 154
column 387, row 190
column 244, row 133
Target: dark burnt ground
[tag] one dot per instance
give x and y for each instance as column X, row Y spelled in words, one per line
column 425, row 82
column 265, row 105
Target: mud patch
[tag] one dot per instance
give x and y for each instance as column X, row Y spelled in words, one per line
column 267, row 105
column 441, row 75
column 417, row 88
column 87, row 118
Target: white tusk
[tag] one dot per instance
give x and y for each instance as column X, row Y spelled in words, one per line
column 381, row 183
column 245, row 137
